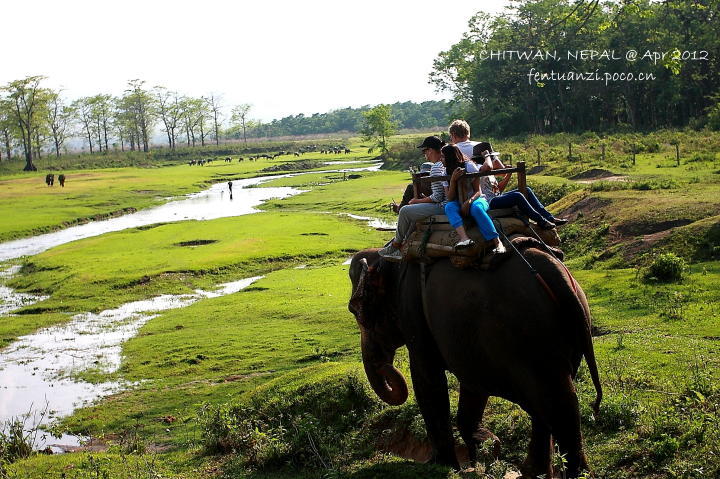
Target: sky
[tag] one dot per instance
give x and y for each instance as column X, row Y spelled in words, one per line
column 283, row 57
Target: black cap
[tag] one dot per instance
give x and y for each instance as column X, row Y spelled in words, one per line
column 480, row 147
column 433, row 142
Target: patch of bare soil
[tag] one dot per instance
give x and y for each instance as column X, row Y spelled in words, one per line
column 297, row 165
column 102, row 445
column 593, row 174
column 536, row 169
column 587, row 205
column 607, row 178
column 198, row 242
column 651, row 231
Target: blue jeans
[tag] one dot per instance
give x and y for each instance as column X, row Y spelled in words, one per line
column 478, row 210
column 531, row 206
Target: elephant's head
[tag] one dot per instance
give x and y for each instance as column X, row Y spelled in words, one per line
column 374, row 305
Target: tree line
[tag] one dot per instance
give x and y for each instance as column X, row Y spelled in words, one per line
column 407, row 115
column 501, row 96
column 35, row 120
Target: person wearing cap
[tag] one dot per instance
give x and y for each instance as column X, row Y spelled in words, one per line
column 493, row 191
column 420, row 208
column 410, row 190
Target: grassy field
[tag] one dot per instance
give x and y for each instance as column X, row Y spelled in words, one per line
column 266, row 383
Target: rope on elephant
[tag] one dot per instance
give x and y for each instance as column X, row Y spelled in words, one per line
column 423, row 295
column 426, row 237
column 573, row 283
column 533, row 271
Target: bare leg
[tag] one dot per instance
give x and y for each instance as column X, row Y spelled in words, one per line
column 462, row 233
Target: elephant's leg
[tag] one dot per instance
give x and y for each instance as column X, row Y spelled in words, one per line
column 430, row 385
column 566, row 427
column 471, row 407
column 538, row 461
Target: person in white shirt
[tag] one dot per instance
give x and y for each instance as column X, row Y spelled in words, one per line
column 459, row 131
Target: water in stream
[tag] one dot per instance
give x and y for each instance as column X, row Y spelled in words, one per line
column 213, row 203
column 36, row 370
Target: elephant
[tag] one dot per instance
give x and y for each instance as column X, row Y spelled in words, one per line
column 507, row 333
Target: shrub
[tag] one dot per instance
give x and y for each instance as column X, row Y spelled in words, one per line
column 304, row 418
column 666, row 267
column 713, row 118
column 15, row 442
column 403, row 155
column 617, row 412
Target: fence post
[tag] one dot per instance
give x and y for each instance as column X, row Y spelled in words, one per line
column 522, row 184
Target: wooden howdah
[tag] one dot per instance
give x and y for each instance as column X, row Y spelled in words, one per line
column 443, row 237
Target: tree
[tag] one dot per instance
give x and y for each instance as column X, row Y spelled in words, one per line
column 101, row 108
column 59, row 120
column 239, row 114
column 168, row 107
column 194, row 112
column 83, row 109
column 378, row 127
column 216, row 110
column 499, row 95
column 7, row 127
column 28, row 101
column 139, row 105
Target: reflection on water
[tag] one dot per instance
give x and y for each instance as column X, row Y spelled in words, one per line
column 376, row 223
column 36, row 369
column 11, row 300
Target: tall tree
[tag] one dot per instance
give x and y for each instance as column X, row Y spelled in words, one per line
column 140, row 106
column 7, row 127
column 83, row 110
column 101, row 110
column 169, row 111
column 378, row 127
column 29, row 101
column 216, row 110
column 239, row 116
column 59, row 120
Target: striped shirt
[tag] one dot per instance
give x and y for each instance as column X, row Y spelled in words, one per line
column 438, row 191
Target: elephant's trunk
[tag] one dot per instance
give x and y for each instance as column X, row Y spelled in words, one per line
column 387, row 382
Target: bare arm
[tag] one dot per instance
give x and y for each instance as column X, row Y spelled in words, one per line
column 497, row 164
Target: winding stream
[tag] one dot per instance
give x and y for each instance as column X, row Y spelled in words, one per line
column 37, row 371
column 213, row 203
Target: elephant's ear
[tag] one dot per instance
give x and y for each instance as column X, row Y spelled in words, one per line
column 357, row 300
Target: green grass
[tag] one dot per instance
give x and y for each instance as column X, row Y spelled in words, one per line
column 267, row 357
column 30, row 207
column 105, row 271
column 368, row 195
